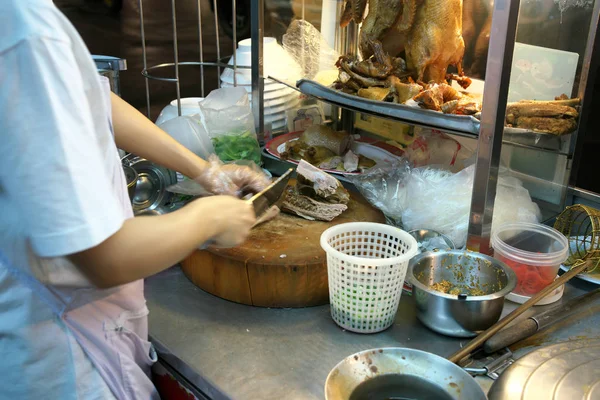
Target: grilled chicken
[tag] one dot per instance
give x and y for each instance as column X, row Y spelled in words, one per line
column 435, row 40
column 383, row 15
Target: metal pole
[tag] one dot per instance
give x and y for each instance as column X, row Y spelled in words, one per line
column 200, row 48
column 497, row 78
column 233, row 6
column 256, row 25
column 145, row 61
column 176, row 54
column 585, row 91
column 218, row 43
column 350, row 46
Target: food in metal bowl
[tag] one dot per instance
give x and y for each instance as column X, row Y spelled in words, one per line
column 459, row 293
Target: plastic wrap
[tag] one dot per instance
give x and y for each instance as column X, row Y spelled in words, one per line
column 384, row 188
column 309, row 48
column 433, row 147
column 437, row 199
column 227, row 117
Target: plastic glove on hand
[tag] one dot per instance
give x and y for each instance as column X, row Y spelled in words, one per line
column 231, row 179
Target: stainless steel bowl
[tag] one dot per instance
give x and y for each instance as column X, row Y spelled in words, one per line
column 460, row 315
column 152, row 181
column 131, row 177
column 399, row 373
column 424, row 238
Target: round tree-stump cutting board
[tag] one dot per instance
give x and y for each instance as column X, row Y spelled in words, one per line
column 281, row 264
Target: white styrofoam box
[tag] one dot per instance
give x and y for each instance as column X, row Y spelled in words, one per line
column 540, row 73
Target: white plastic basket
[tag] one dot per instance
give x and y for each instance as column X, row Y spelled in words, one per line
column 366, row 266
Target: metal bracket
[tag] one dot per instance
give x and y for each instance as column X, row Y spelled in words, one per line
column 492, row 366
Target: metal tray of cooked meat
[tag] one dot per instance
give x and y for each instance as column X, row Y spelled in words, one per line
column 448, row 122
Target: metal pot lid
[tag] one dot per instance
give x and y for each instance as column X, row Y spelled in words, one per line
column 153, row 179
column 564, row 371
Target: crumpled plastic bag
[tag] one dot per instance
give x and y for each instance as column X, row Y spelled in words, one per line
column 224, row 179
column 434, row 147
column 437, row 199
column 309, row 48
column 189, row 131
column 227, row 117
column 384, row 188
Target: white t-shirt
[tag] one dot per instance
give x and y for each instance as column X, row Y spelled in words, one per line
column 61, row 191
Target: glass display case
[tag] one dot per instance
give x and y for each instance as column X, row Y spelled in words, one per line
column 527, row 63
column 515, row 51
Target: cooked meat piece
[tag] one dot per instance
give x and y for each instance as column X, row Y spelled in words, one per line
column 374, row 93
column 365, row 162
column 317, row 154
column 365, row 81
column 436, row 95
column 464, row 106
column 435, row 39
column 346, row 15
column 562, row 97
column 555, row 126
column 308, row 208
column 463, row 81
column 320, row 185
column 383, row 14
column 538, row 109
column 332, row 163
column 324, row 136
column 404, row 91
column 353, row 11
column 574, row 102
column 350, row 161
column 294, row 150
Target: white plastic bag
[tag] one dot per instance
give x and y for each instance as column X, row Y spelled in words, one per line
column 309, row 48
column 188, row 131
column 227, row 117
column 441, row 201
column 437, row 199
column 434, row 147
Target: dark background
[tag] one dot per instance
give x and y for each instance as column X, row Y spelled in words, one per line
column 117, row 33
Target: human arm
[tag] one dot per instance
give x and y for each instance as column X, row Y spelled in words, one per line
column 137, row 134
column 144, row 246
column 57, row 166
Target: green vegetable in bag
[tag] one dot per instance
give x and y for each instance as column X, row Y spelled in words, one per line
column 237, row 146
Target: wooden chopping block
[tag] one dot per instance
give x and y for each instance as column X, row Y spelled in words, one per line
column 280, row 265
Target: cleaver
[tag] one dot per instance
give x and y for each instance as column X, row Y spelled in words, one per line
column 270, row 195
column 266, row 198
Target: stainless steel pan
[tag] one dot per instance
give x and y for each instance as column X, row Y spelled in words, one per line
column 400, row 374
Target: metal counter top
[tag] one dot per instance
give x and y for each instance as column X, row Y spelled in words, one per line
column 233, row 351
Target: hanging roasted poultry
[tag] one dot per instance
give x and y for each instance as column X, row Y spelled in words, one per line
column 430, row 29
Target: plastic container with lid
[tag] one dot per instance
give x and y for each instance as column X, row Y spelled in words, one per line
column 534, row 251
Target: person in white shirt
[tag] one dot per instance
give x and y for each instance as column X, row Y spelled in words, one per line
column 73, row 319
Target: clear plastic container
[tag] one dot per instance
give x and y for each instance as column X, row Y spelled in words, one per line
column 534, row 251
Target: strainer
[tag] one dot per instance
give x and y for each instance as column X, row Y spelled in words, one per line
column 581, row 225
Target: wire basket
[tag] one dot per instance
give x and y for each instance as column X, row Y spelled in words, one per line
column 366, row 267
column 581, row 225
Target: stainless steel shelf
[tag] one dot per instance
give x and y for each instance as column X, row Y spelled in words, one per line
column 458, row 124
column 461, row 125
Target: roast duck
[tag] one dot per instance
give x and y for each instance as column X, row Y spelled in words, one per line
column 430, row 35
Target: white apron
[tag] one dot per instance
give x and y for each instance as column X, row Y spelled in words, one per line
column 110, row 325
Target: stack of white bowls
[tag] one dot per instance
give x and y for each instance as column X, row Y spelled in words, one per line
column 278, row 98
